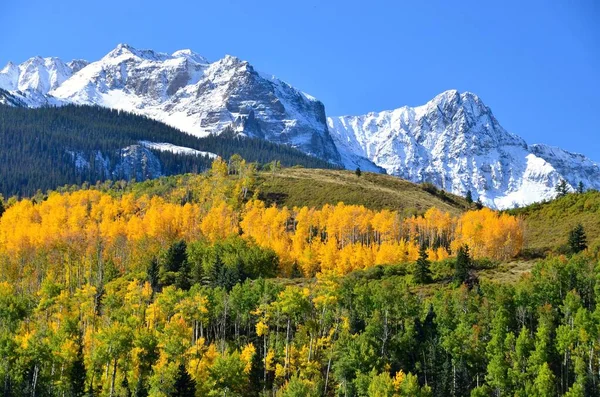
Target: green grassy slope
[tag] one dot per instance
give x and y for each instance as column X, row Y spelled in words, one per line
column 547, row 225
column 316, row 187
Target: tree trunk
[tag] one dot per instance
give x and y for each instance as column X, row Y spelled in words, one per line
column 114, row 375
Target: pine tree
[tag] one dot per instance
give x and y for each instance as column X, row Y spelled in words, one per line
column 462, row 265
column 478, row 203
column 580, row 188
column 577, row 239
column 184, row 384
column 562, row 189
column 77, row 373
column 469, row 197
column 182, row 280
column 422, row 273
column 176, row 256
column 358, row 172
column 153, row 275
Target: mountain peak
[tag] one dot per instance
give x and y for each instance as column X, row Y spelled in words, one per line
column 127, row 51
column 9, row 67
column 190, row 55
column 77, row 64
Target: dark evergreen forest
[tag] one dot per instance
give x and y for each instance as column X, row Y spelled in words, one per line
column 37, row 146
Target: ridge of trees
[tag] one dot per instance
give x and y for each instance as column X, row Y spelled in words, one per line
column 38, row 147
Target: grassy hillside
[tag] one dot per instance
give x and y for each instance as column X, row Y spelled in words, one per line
column 316, row 187
column 547, row 225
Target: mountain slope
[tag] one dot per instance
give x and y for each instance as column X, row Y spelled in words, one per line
column 547, row 225
column 47, row 147
column 317, row 187
column 456, row 143
column 183, row 90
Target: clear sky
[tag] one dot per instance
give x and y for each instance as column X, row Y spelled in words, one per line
column 535, row 63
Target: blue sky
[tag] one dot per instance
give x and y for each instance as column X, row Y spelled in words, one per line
column 535, row 63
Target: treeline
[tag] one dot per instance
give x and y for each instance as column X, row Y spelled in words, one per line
column 39, row 147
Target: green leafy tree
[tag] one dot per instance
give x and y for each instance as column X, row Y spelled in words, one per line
column 298, row 387
column 381, row 386
column 544, row 384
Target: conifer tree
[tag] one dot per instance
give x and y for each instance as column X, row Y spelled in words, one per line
column 358, row 172
column 562, row 189
column 478, row 203
column 469, row 197
column 580, row 188
column 153, row 274
column 577, row 239
column 422, row 273
column 184, row 384
column 77, row 373
column 462, row 265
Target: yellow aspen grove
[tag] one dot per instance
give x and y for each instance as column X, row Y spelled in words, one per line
column 85, row 231
column 489, row 234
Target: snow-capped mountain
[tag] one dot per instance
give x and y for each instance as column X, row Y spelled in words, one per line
column 455, row 142
column 182, row 89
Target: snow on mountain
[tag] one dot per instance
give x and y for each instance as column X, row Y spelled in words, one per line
column 135, row 162
column 30, row 82
column 77, row 64
column 9, row 77
column 168, row 147
column 186, row 91
column 455, row 142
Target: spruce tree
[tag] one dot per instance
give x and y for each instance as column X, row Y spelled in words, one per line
column 469, row 197
column 478, row 203
column 462, row 265
column 358, row 172
column 153, row 274
column 577, row 239
column 562, row 189
column 182, row 280
column 422, row 273
column 77, row 373
column 580, row 188
column 184, row 384
column 176, row 256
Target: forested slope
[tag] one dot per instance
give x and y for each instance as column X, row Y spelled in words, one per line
column 193, row 286
column 48, row 147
